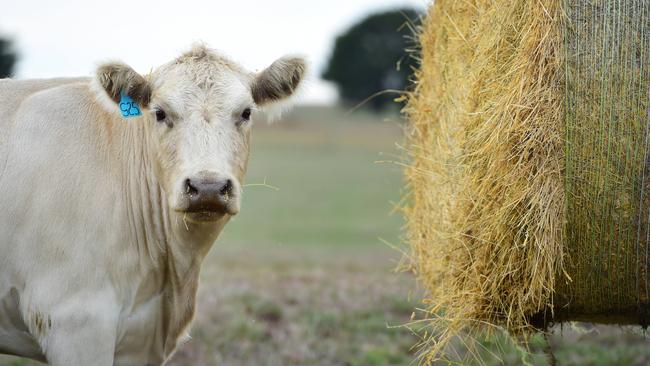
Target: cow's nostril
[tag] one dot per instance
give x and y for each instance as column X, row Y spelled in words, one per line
column 226, row 190
column 189, row 188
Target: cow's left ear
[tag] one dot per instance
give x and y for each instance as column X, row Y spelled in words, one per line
column 278, row 81
column 116, row 78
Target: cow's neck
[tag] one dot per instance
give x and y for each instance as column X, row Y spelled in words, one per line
column 170, row 248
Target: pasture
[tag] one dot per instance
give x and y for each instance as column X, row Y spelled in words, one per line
column 303, row 275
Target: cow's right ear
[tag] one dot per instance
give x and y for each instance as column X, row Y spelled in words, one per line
column 116, row 78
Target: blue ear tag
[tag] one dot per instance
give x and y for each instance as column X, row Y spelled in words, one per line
column 128, row 106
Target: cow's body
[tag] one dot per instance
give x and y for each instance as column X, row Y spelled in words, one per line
column 79, row 215
column 96, row 268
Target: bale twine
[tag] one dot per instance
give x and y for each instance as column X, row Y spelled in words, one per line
column 528, row 195
column 606, row 86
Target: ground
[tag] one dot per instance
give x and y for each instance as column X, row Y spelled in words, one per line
column 304, row 275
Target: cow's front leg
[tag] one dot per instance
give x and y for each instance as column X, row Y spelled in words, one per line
column 80, row 334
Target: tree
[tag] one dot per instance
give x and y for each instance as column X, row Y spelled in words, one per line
column 371, row 57
column 7, row 58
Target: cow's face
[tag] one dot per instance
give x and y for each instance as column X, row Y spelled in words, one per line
column 197, row 110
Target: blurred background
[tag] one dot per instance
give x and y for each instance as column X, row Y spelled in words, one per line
column 305, row 274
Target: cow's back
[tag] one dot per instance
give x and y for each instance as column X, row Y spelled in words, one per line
column 12, row 94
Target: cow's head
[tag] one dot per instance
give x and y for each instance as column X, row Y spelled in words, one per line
column 197, row 113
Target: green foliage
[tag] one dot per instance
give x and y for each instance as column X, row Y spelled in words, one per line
column 7, row 58
column 371, row 57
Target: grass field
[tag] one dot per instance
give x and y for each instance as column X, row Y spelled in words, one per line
column 302, row 276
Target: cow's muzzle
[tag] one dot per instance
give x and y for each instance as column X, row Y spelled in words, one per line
column 208, row 195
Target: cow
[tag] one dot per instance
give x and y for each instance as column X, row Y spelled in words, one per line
column 113, row 189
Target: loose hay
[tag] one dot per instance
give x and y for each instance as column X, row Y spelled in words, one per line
column 526, row 180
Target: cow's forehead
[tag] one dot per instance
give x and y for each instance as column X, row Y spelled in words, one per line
column 201, row 74
column 201, row 66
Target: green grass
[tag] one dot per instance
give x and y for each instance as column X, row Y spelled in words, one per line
column 331, row 189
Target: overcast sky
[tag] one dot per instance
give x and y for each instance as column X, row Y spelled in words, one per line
column 69, row 38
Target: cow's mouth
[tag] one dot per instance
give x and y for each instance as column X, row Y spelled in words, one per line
column 202, row 216
column 206, row 214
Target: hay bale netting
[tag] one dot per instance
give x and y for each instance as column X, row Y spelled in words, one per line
column 528, row 181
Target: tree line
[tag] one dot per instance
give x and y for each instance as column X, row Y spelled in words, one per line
column 8, row 58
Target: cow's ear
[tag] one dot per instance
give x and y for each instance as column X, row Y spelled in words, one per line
column 278, row 81
column 116, row 78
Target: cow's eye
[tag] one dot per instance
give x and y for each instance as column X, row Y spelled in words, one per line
column 160, row 115
column 246, row 114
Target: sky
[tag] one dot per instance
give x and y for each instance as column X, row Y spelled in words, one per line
column 69, row 38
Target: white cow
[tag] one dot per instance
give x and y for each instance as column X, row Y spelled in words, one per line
column 105, row 220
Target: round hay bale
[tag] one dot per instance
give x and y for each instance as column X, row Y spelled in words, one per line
column 529, row 165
